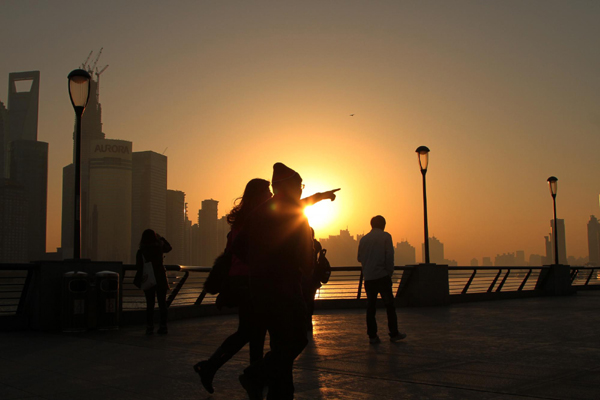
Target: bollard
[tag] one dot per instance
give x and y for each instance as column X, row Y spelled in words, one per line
column 107, row 302
column 74, row 307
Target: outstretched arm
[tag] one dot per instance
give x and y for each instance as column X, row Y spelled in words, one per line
column 317, row 197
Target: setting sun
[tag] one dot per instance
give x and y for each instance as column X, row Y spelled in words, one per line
column 320, row 215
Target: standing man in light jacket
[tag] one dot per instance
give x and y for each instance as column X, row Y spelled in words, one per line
column 376, row 254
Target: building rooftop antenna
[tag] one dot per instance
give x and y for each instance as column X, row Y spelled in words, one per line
column 165, row 150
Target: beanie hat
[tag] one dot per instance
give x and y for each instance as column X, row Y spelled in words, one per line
column 281, row 172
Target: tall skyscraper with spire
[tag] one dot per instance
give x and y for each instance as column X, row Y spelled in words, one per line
column 24, row 160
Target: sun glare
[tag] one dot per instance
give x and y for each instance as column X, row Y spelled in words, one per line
column 320, row 215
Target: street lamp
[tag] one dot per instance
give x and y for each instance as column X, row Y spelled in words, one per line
column 423, row 154
column 79, row 92
column 553, row 187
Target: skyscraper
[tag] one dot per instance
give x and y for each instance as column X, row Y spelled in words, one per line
column 23, row 104
column 24, row 159
column 110, row 176
column 342, row 249
column 13, row 222
column 68, row 209
column 195, row 245
column 187, row 238
column 549, row 257
column 208, row 224
column 149, row 195
column 593, row 229
column 29, row 168
column 562, row 244
column 222, row 231
column 436, row 251
column 3, row 134
column 175, row 224
column 405, row 254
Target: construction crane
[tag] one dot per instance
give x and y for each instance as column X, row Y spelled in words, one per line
column 84, row 65
column 101, row 71
column 96, row 60
column 98, row 73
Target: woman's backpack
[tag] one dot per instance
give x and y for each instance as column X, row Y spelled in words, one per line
column 218, row 275
column 323, row 268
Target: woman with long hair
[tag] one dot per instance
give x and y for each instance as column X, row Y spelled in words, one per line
column 152, row 249
column 256, row 192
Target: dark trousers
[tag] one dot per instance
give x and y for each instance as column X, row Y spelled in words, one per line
column 381, row 286
column 161, row 296
column 309, row 290
column 249, row 331
column 287, row 332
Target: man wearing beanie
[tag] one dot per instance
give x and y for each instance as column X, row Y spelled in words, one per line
column 277, row 245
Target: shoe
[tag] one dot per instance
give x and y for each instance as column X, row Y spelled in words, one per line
column 398, row 337
column 149, row 330
column 253, row 388
column 374, row 340
column 207, row 374
column 162, row 330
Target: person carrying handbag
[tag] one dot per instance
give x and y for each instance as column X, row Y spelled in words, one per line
column 151, row 253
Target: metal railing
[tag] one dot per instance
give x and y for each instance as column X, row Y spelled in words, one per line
column 585, row 277
column 345, row 284
column 470, row 280
column 15, row 282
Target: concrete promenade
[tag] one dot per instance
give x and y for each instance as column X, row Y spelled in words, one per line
column 543, row 348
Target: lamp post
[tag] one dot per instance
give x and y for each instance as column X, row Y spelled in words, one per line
column 423, row 154
column 553, row 187
column 79, row 92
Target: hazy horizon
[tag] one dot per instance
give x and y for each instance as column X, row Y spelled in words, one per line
column 505, row 94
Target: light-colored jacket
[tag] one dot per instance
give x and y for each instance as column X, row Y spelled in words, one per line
column 376, row 254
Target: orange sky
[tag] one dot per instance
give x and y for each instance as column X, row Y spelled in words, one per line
column 504, row 94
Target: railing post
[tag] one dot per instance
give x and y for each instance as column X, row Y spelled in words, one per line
column 360, row 282
column 175, row 291
column 428, row 286
column 555, row 280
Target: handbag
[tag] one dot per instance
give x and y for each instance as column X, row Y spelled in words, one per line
column 323, row 268
column 148, row 278
column 219, row 274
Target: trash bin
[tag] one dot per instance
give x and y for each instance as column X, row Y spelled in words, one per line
column 74, row 307
column 107, row 305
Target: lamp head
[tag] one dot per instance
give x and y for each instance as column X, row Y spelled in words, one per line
column 79, row 88
column 553, row 186
column 423, row 154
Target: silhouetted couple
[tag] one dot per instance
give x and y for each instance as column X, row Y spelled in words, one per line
column 272, row 248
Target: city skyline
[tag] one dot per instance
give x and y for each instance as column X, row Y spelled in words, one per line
column 501, row 110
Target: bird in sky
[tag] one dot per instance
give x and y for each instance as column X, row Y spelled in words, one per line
column 352, row 115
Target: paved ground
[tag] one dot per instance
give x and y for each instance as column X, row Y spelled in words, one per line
column 514, row 349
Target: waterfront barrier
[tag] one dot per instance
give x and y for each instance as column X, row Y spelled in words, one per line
column 28, row 292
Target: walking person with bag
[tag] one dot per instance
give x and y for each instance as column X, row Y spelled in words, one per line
column 151, row 276
column 230, row 278
column 234, row 291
